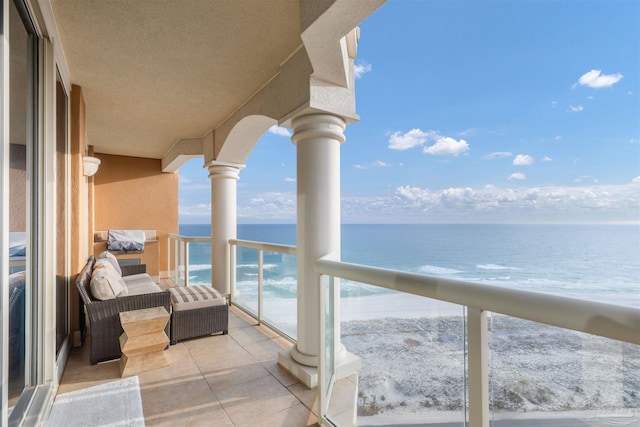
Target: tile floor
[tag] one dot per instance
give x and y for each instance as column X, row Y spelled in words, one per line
column 221, row 380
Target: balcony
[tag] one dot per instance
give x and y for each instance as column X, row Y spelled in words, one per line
column 458, row 353
column 221, row 380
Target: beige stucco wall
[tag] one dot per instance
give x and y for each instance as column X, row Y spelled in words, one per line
column 132, row 193
column 78, row 231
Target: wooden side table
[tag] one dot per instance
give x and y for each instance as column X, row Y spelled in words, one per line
column 143, row 341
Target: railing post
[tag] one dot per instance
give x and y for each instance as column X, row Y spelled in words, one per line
column 478, row 363
column 232, row 271
column 186, row 264
column 260, row 276
column 169, row 256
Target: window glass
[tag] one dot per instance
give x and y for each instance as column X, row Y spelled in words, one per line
column 20, row 140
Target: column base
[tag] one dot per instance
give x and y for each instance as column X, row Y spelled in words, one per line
column 347, row 364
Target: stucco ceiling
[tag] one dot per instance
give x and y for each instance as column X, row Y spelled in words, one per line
column 155, row 71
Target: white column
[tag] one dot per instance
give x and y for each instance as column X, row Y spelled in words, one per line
column 223, row 178
column 318, row 138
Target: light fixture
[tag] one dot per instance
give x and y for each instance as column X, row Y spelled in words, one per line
column 90, row 165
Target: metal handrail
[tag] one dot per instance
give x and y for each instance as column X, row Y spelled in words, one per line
column 597, row 318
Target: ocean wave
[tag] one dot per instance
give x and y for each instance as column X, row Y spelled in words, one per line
column 264, row 266
column 438, row 271
column 495, row 267
column 199, row 267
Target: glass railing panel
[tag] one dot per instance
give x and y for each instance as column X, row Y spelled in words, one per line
column 199, row 266
column 412, row 351
column 280, row 291
column 246, row 290
column 545, row 373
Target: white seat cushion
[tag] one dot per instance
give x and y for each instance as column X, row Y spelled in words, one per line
column 197, row 296
column 138, row 284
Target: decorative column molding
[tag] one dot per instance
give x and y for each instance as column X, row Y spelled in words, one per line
column 318, row 138
column 223, row 178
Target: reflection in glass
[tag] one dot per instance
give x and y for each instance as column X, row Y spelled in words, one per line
column 19, row 139
column 62, row 326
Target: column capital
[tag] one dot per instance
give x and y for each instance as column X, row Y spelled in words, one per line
column 227, row 170
column 311, row 126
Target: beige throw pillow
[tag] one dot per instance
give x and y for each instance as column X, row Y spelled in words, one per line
column 106, row 285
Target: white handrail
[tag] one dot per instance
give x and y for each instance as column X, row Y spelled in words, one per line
column 274, row 247
column 190, row 239
column 606, row 320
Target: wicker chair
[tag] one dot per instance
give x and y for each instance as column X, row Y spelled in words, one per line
column 104, row 319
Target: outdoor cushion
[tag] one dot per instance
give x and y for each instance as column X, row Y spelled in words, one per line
column 125, row 240
column 112, row 258
column 198, row 296
column 138, row 284
column 105, row 285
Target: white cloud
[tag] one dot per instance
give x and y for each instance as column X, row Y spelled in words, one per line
column 519, row 176
column 376, row 164
column 268, row 207
column 468, row 132
column 557, row 138
column 446, row 145
column 589, row 97
column 523, row 160
column 575, row 109
column 582, row 178
column 280, row 131
column 497, row 155
column 554, row 104
column 443, row 145
column 636, row 179
column 590, row 203
column 360, row 69
column 289, row 179
column 547, row 159
column 413, row 138
column 595, row 79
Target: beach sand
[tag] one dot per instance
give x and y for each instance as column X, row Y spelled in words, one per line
column 415, row 366
column 413, row 362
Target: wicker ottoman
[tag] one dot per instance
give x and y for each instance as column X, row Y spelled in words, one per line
column 197, row 310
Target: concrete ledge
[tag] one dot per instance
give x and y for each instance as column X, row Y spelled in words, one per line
column 347, row 365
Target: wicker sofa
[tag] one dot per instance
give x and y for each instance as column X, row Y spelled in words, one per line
column 104, row 320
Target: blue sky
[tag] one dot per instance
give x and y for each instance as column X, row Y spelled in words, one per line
column 473, row 112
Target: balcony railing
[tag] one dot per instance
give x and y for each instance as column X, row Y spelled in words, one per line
column 473, row 403
column 179, row 254
column 264, row 283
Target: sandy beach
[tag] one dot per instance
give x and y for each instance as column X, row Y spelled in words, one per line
column 415, row 366
column 413, row 362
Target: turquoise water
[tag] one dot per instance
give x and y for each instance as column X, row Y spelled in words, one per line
column 594, row 262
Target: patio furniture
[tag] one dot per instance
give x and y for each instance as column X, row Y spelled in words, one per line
column 104, row 320
column 197, row 310
column 143, row 340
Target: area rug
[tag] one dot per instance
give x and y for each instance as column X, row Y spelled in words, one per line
column 114, row 404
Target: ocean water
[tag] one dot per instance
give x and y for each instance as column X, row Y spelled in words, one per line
column 593, row 262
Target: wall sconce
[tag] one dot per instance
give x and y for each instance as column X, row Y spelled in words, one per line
column 90, row 165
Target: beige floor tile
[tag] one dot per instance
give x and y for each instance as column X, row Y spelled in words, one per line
column 245, row 336
column 227, row 381
column 254, row 400
column 221, row 379
column 178, row 398
column 264, row 351
column 295, row 416
column 308, row 397
column 281, row 374
column 94, row 375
